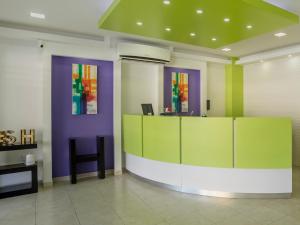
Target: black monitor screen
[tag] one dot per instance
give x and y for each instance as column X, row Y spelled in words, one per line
column 147, row 109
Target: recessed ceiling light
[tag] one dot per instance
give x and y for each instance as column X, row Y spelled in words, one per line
column 167, row 2
column 280, row 34
column 214, row 39
column 226, row 49
column 192, row 34
column 168, row 29
column 199, row 11
column 249, row 27
column 37, row 15
column 139, row 23
column 226, row 20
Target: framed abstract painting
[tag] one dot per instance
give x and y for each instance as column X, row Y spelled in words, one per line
column 180, row 92
column 84, row 89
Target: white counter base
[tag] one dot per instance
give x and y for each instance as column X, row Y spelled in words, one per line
column 217, row 182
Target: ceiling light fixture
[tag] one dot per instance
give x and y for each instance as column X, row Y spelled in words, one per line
column 167, row 2
column 168, row 29
column 226, row 49
column 192, row 34
column 227, row 20
column 139, row 23
column 199, row 11
column 249, row 27
column 214, row 39
column 280, row 34
column 37, row 15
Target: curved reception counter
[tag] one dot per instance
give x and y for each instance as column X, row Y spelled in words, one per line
column 222, row 157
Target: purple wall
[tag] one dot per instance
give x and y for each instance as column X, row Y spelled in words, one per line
column 65, row 125
column 194, row 88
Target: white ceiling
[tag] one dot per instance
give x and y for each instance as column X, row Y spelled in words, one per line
column 80, row 17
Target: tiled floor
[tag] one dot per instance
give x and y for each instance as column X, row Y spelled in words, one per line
column 126, row 200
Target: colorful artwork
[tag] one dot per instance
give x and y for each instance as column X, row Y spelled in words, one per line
column 84, row 91
column 180, row 92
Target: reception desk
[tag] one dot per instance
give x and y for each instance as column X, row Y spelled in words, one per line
column 223, row 157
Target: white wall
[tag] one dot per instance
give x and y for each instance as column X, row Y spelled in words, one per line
column 141, row 83
column 272, row 88
column 21, row 97
column 216, row 89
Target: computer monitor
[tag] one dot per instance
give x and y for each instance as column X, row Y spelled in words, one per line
column 147, row 109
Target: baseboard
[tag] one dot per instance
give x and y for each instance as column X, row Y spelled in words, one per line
column 82, row 176
column 118, row 173
column 47, row 184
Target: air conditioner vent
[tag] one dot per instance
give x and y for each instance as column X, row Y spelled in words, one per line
column 144, row 53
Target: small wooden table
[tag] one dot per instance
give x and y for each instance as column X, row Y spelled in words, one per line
column 77, row 159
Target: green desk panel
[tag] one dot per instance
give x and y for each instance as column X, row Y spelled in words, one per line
column 264, row 143
column 161, row 138
column 207, row 142
column 132, row 134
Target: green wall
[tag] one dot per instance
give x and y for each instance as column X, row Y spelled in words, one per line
column 234, row 89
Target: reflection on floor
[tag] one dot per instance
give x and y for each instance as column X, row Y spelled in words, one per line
column 126, row 200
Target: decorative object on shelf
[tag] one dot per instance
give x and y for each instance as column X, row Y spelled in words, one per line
column 6, row 137
column 30, row 160
column 84, row 89
column 180, row 92
column 25, row 136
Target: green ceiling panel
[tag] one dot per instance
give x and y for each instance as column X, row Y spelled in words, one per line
column 181, row 17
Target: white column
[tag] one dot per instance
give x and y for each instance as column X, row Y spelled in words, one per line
column 117, row 118
column 47, row 136
column 203, row 87
column 161, row 88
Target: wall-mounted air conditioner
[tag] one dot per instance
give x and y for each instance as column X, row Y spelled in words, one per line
column 145, row 53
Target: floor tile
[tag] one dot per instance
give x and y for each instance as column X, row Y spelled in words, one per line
column 286, row 221
column 126, row 200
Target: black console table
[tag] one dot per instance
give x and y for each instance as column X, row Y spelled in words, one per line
column 20, row 189
column 77, row 159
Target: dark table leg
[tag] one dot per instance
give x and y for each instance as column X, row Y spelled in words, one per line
column 34, row 179
column 72, row 146
column 101, row 157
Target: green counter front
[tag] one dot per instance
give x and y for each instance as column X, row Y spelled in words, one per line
column 133, row 134
column 255, row 143
column 207, row 142
column 263, row 143
column 161, row 138
column 221, row 157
